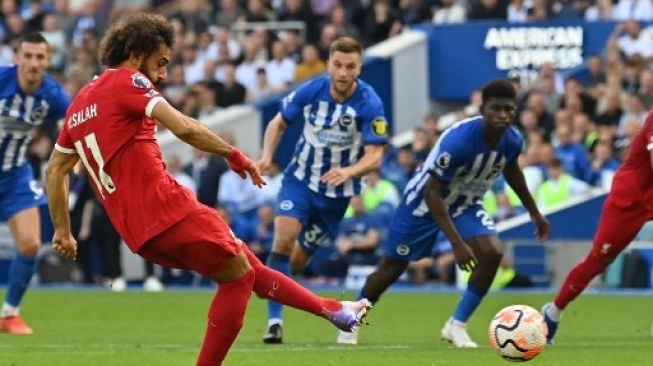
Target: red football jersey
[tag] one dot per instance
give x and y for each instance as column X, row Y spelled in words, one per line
column 108, row 124
column 636, row 170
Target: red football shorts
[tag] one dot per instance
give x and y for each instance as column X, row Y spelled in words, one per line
column 624, row 214
column 201, row 241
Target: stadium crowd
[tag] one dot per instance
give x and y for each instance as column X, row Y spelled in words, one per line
column 230, row 52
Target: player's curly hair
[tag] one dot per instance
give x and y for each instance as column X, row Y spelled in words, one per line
column 499, row 88
column 140, row 33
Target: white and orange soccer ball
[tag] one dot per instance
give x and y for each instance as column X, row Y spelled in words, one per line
column 518, row 333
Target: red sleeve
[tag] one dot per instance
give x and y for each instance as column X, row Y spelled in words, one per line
column 64, row 143
column 137, row 95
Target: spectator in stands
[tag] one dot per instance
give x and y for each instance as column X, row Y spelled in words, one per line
column 585, row 131
column 645, row 90
column 574, row 89
column 280, row 69
column 379, row 190
column 293, row 43
column 381, row 23
column 487, row 9
column 537, row 103
column 206, row 171
column 610, row 111
column 175, row 88
column 632, row 39
column 601, row 10
column 228, row 13
column 604, row 164
column 638, row 10
column 560, row 185
column 229, row 92
column 634, row 111
column 174, row 167
column 258, row 11
column 238, row 194
column 359, row 235
column 262, row 88
column 596, row 81
column 573, row 155
column 301, row 10
column 328, row 34
column 311, row 64
column 207, row 100
column 247, row 69
column 338, row 17
column 261, row 243
column 442, row 263
column 518, row 11
column 449, row 12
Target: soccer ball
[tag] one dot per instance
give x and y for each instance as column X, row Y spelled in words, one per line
column 518, row 333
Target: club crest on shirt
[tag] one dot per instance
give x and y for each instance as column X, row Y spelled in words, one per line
column 443, row 160
column 380, row 127
column 286, row 205
column 345, row 120
column 140, row 81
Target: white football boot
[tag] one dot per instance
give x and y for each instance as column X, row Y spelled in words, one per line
column 455, row 333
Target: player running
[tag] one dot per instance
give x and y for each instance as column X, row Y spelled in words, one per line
column 110, row 127
column 344, row 135
column 29, row 100
column 446, row 194
column 627, row 208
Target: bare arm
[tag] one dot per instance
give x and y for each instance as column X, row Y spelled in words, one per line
column 194, row 133
column 56, row 185
column 515, row 178
column 370, row 160
column 271, row 138
column 440, row 211
column 190, row 130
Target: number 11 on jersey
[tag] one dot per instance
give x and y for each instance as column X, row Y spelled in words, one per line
column 104, row 181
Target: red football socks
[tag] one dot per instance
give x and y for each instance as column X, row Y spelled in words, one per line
column 578, row 279
column 276, row 286
column 226, row 316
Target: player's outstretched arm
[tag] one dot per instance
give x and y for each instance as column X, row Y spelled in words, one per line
column 371, row 159
column 271, row 138
column 440, row 214
column 194, row 133
column 56, row 186
column 515, row 178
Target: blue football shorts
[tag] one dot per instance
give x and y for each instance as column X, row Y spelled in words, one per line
column 319, row 215
column 414, row 243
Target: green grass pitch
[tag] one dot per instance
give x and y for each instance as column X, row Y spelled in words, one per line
column 81, row 328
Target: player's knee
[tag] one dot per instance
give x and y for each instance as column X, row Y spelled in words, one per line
column 492, row 258
column 391, row 270
column 235, row 268
column 283, row 243
column 29, row 247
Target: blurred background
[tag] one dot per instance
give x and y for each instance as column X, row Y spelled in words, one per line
column 582, row 69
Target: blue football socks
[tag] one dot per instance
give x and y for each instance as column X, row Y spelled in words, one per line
column 472, row 297
column 21, row 271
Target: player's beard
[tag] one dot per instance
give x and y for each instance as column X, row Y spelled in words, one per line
column 146, row 71
column 342, row 91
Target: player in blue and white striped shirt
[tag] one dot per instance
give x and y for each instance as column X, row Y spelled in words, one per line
column 29, row 99
column 344, row 135
column 446, row 195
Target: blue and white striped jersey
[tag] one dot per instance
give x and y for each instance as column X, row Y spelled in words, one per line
column 461, row 159
column 334, row 134
column 20, row 113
